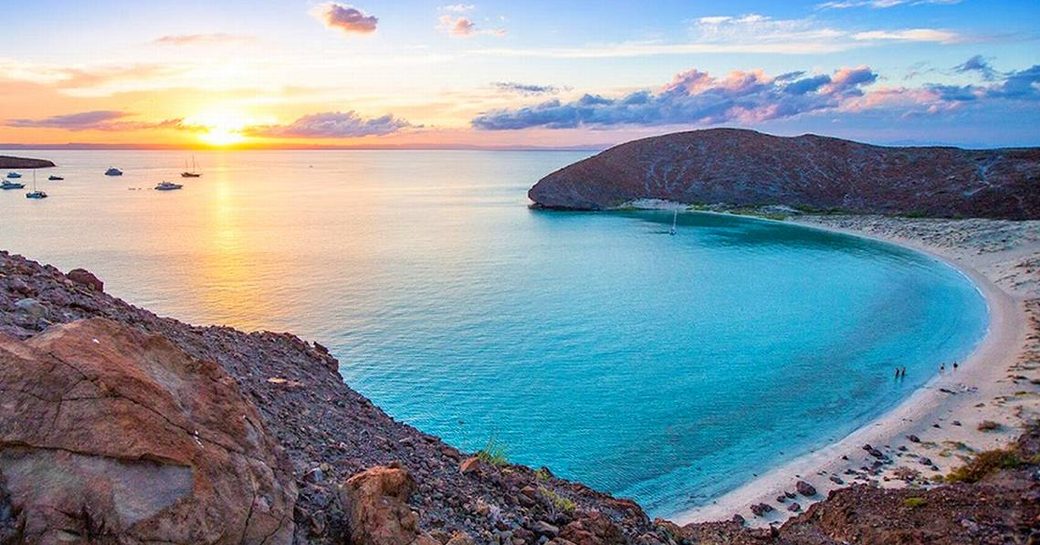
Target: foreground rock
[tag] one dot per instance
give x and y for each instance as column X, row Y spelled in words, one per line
column 7, row 161
column 111, row 435
column 747, row 168
column 377, row 512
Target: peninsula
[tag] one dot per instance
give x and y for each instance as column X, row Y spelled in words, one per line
column 7, row 161
column 815, row 173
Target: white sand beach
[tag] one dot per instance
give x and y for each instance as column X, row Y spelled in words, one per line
column 938, row 427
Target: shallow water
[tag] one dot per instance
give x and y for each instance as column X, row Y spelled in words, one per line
column 664, row 368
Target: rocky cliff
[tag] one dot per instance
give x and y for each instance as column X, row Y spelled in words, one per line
column 6, row 161
column 747, row 168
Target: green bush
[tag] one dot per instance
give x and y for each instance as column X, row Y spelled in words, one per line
column 560, row 503
column 914, row 502
column 983, row 464
column 493, row 453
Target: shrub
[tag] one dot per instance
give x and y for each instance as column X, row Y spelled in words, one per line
column 988, row 425
column 559, row 503
column 914, row 502
column 541, row 474
column 493, row 453
column 983, row 464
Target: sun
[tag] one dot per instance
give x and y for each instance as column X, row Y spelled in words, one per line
column 220, row 128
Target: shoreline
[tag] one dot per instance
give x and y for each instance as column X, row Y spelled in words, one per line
column 981, row 379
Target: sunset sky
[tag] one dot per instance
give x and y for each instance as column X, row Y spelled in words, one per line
column 496, row 73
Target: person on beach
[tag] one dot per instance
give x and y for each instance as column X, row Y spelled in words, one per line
column 954, row 366
column 942, row 367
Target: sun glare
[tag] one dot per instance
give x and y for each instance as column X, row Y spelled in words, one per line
column 220, row 128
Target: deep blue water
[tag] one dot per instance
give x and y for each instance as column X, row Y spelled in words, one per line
column 664, row 368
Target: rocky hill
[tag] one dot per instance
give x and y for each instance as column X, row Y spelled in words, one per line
column 7, row 161
column 747, row 168
column 119, row 426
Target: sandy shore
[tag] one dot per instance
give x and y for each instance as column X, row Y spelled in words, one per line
column 938, row 427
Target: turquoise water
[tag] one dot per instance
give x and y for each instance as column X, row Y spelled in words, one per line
column 665, row 368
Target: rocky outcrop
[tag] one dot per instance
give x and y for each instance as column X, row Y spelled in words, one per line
column 111, row 435
column 745, row 168
column 7, row 161
column 86, row 278
column 375, row 503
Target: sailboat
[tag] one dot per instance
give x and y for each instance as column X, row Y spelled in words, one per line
column 190, row 173
column 675, row 218
column 35, row 193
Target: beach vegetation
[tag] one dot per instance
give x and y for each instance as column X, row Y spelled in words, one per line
column 983, row 464
column 989, row 425
column 559, row 503
column 914, row 502
column 542, row 474
column 494, row 452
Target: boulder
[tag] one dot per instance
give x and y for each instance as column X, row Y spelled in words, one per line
column 374, row 501
column 173, row 452
column 594, row 528
column 805, row 488
column 460, row 538
column 469, row 465
column 86, row 278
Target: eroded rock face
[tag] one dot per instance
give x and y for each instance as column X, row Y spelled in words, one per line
column 111, row 435
column 375, row 503
column 748, row 168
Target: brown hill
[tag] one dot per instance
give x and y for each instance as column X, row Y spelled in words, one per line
column 7, row 161
column 748, row 168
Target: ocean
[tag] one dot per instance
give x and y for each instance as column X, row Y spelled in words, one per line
column 668, row 369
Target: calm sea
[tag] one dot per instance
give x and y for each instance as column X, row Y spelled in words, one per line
column 664, row 368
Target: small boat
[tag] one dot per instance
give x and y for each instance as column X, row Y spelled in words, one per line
column 675, row 218
column 54, row 178
column 190, row 173
column 13, row 175
column 35, row 193
column 167, row 186
column 11, row 185
column 113, row 171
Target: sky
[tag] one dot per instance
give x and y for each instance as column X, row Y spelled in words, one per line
column 555, row 74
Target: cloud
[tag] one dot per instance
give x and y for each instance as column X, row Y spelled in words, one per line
column 331, row 125
column 458, row 8
column 977, row 64
column 910, row 35
column 879, row 4
column 526, row 88
column 694, row 97
column 99, row 120
column 464, row 27
column 752, row 97
column 751, row 33
column 346, row 18
column 202, row 39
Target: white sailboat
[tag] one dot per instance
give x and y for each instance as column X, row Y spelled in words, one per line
column 675, row 218
column 35, row 193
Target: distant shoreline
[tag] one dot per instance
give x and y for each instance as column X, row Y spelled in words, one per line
column 985, row 371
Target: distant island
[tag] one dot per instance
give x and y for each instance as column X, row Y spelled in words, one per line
column 812, row 173
column 7, row 161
